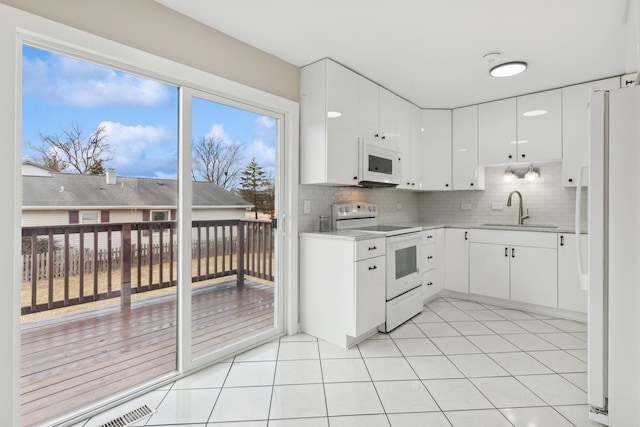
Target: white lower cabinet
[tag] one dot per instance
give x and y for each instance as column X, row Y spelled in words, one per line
column 570, row 295
column 433, row 265
column 342, row 287
column 489, row 270
column 456, row 259
column 534, row 277
column 520, row 266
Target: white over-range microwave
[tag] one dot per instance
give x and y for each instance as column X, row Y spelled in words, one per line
column 378, row 166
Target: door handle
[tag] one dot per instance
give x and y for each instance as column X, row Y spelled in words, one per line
column 466, row 235
column 561, row 240
column 513, row 252
column 506, row 252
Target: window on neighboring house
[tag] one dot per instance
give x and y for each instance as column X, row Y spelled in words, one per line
column 159, row 215
column 89, row 217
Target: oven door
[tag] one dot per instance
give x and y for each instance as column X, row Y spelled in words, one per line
column 404, row 263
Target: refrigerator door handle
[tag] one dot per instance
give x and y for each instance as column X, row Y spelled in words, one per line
column 584, row 276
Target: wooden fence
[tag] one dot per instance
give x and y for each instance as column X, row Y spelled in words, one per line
column 145, row 256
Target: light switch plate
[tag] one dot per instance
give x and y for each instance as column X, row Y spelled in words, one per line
column 466, row 206
column 398, row 205
column 306, row 207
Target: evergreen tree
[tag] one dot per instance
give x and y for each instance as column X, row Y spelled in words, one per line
column 252, row 183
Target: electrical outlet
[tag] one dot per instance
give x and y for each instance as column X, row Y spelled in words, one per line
column 306, row 207
column 466, row 206
column 398, row 206
column 496, row 206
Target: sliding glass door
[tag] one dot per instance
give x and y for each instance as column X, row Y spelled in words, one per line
column 234, row 293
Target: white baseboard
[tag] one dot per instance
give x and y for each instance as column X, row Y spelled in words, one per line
column 532, row 308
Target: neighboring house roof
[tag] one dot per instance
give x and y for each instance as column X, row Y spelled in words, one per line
column 66, row 190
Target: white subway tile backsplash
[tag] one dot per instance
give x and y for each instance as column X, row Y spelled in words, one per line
column 547, row 200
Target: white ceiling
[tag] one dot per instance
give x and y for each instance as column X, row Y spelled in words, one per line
column 431, row 51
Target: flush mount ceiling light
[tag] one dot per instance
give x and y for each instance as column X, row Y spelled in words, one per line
column 508, row 69
column 333, row 114
column 534, row 113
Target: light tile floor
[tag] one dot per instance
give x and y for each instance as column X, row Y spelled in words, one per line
column 458, row 363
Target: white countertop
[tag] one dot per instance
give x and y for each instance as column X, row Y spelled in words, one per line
column 364, row 235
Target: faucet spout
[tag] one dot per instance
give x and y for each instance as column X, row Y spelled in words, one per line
column 521, row 217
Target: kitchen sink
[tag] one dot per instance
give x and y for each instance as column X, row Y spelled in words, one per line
column 521, row 225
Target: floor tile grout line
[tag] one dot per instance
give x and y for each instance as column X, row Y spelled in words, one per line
column 324, row 387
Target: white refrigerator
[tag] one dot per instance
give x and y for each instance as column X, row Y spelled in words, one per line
column 613, row 277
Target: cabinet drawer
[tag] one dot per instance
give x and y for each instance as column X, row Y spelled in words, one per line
column 369, row 248
column 514, row 238
column 428, row 257
column 428, row 237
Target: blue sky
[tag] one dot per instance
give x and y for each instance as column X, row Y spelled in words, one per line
column 140, row 115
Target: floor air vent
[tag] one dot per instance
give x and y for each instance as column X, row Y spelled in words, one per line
column 130, row 417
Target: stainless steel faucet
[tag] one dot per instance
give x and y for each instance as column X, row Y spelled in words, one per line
column 521, row 217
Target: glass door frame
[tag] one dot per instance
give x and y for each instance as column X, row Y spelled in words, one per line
column 186, row 361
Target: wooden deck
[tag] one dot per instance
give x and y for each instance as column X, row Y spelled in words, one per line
column 67, row 365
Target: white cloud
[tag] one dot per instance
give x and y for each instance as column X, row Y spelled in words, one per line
column 217, row 131
column 66, row 81
column 265, row 122
column 264, row 153
column 138, row 149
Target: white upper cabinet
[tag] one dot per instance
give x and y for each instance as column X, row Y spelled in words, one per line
column 390, row 104
column 497, row 134
column 467, row 175
column 540, row 126
column 328, row 124
column 408, row 140
column 368, row 109
column 524, row 129
column 575, row 124
column 377, row 114
column 436, row 150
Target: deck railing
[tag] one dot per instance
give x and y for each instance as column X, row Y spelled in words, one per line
column 93, row 262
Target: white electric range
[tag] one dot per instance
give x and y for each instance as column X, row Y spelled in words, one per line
column 403, row 259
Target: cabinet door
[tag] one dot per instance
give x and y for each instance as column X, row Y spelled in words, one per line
column 342, row 131
column 389, row 104
column 436, row 150
column 540, row 126
column 431, row 284
column 456, row 260
column 575, row 124
column 369, row 294
column 497, row 139
column 534, row 275
column 466, row 173
column 570, row 295
column 368, row 109
column 489, row 270
column 408, row 145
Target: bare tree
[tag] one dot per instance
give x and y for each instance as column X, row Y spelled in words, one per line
column 217, row 161
column 71, row 149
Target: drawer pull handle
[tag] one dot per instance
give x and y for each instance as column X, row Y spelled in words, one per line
column 373, row 268
column 429, row 257
column 430, row 283
column 373, row 248
column 430, row 236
